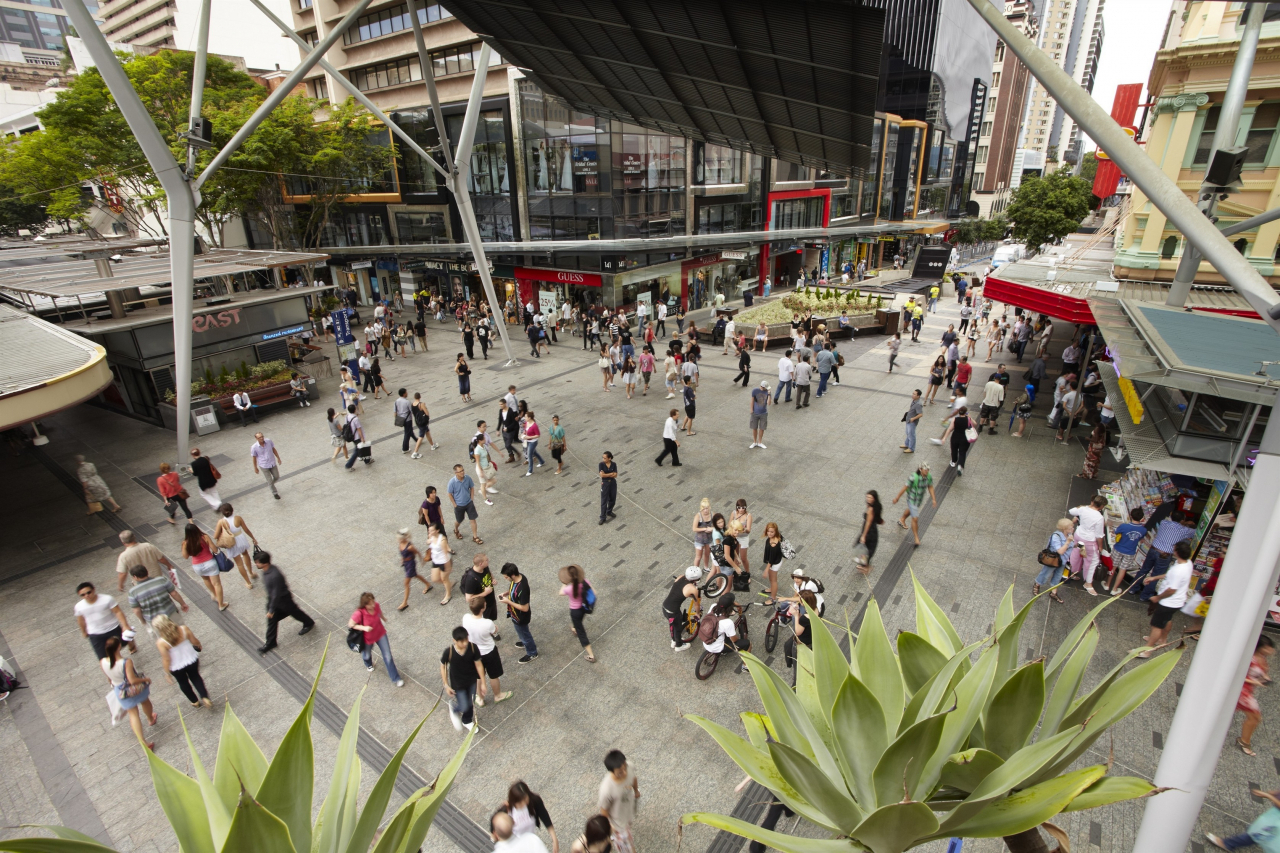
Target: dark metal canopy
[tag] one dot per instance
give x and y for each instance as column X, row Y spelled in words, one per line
column 796, row 81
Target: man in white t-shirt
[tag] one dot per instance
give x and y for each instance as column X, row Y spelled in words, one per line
column 1089, row 533
column 786, row 376
column 1171, row 594
column 725, row 627
column 661, row 314
column 482, row 632
column 100, row 618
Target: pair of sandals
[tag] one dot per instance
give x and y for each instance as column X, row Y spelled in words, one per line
column 475, row 539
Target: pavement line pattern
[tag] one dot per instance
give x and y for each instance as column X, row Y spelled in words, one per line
column 463, row 831
column 75, row 808
column 54, row 563
column 755, row 797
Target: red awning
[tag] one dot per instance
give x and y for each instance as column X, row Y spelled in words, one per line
column 1038, row 299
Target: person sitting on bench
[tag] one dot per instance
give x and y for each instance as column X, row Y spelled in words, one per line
column 243, row 405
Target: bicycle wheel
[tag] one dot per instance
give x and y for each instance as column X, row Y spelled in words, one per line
column 688, row 622
column 771, row 634
column 716, row 586
column 706, row 665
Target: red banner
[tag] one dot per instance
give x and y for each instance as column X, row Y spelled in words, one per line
column 1123, row 109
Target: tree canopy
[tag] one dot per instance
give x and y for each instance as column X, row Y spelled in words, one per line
column 85, row 138
column 1047, row 208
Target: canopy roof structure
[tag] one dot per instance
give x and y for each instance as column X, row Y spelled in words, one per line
column 44, row 368
column 77, row 278
column 754, row 75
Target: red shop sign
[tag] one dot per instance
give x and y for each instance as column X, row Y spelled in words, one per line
column 584, row 279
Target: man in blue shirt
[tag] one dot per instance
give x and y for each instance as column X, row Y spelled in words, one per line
column 826, row 362
column 462, row 495
column 1124, row 551
column 1168, row 533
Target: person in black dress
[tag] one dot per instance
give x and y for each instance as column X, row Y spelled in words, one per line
column 872, row 518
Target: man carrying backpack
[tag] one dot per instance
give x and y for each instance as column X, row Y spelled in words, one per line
column 719, row 625
column 353, row 432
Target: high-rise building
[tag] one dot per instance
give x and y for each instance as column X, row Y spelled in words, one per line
column 1071, row 34
column 1001, row 129
column 38, row 28
column 236, row 28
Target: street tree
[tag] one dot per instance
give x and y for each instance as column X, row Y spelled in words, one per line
column 251, row 803
column 1048, row 208
column 887, row 749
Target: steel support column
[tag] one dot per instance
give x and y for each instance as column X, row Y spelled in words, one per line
column 1223, row 137
column 1135, row 163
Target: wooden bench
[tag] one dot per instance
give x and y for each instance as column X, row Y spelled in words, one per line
column 261, row 399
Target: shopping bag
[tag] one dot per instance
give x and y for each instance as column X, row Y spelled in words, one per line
column 1197, row 605
column 113, row 706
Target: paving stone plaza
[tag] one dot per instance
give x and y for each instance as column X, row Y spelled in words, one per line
column 333, row 533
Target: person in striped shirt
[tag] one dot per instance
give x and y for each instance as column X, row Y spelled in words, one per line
column 1168, row 532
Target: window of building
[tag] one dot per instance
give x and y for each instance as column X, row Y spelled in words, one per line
column 716, row 164
column 311, row 37
column 391, row 20
column 398, row 72
column 977, row 179
column 797, row 213
column 729, row 218
column 1205, row 144
column 948, row 161
column 999, row 51
column 991, row 105
column 490, row 173
column 986, row 129
column 421, row 228
column 889, row 171
column 319, row 88
column 1261, row 132
column 304, row 4
column 869, row 186
column 982, row 153
column 1169, row 248
column 790, row 172
column 995, row 79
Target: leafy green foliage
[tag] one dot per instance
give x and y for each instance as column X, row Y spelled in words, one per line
column 1047, row 208
column 253, row 804
column 887, row 750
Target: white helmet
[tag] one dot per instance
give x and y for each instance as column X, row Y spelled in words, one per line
column 693, row 573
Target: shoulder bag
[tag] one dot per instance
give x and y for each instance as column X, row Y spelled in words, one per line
column 787, row 550
column 1049, row 557
column 225, row 539
column 971, row 433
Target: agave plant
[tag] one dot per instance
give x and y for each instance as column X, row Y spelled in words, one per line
column 888, row 750
column 253, row 804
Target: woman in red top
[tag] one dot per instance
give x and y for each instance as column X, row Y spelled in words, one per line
column 368, row 620
column 170, row 488
column 1248, row 703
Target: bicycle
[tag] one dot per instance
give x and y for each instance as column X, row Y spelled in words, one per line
column 707, row 662
column 781, row 616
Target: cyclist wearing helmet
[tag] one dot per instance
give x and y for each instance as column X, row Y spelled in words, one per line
column 726, row 629
column 800, row 583
column 682, row 587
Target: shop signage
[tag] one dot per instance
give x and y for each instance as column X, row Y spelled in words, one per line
column 360, row 265
column 632, row 163
column 341, row 326
column 1216, row 494
column 585, row 279
column 220, row 320
column 734, row 256
column 282, row 333
column 547, row 304
column 703, row 260
column 585, row 160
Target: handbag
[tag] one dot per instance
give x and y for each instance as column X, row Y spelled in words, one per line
column 355, row 640
column 256, row 551
column 787, row 550
column 225, row 563
column 225, row 539
column 971, row 433
column 1049, row 557
column 95, row 506
column 183, row 495
column 399, row 419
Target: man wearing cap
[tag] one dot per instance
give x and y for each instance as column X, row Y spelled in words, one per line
column 759, row 415
column 917, row 484
column 683, row 587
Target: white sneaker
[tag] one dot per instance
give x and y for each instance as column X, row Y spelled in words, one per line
column 488, row 502
column 762, row 447
column 539, row 465
column 456, row 719
column 673, row 644
column 435, row 447
column 936, row 441
column 683, row 648
column 752, row 446
column 469, row 726
column 492, row 490
column 671, row 396
column 399, row 682
column 528, row 473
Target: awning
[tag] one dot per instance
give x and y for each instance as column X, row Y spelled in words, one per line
column 1055, row 300
column 44, row 369
column 754, row 75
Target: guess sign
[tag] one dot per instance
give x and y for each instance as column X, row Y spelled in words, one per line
column 220, row 320
column 562, row 276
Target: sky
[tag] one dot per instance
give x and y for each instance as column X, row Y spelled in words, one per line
column 1132, row 33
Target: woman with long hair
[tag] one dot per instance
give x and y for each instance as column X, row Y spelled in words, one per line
column 936, row 374
column 629, row 375
column 1257, row 675
column 133, row 691
column 368, row 619
column 422, row 420
column 575, row 587
column 379, row 384
column 335, row 435
column 441, row 557
column 724, row 546
column 529, row 813
column 463, row 373
column 742, row 518
column 409, row 563
column 199, row 548
column 772, row 559
column 595, row 837
column 960, row 424
column 237, row 541
column 702, row 528
column 872, row 517
column 606, row 366
column 1093, row 454
column 179, row 651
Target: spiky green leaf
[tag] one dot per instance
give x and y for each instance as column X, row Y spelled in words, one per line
column 288, row 786
column 929, row 698
column 1068, row 682
column 932, row 623
column 239, row 761
column 826, row 794
column 897, row 774
column 1014, row 711
column 1009, row 641
column 970, row 697
column 67, row 841
column 1083, row 707
column 183, row 805
column 376, row 806
column 964, row 771
column 757, row 726
column 432, row 797
column 1074, row 635
column 920, row 660
column 1028, row 808
column 331, row 833
column 253, row 827
column 788, row 715
column 1004, row 611
column 219, row 817
column 829, row 663
column 878, row 666
column 1112, row 789
column 896, row 827
column 861, row 737
column 807, row 694
column 773, row 840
